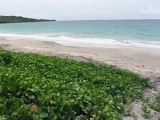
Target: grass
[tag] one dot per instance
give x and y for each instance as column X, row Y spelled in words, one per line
column 35, row 87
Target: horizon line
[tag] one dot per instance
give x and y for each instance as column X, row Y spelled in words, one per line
column 86, row 19
column 108, row 19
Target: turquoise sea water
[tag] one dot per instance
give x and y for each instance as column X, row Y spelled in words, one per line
column 140, row 33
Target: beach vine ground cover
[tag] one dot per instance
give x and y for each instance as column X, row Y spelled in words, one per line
column 35, row 87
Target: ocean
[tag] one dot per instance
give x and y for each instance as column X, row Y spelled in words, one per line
column 95, row 33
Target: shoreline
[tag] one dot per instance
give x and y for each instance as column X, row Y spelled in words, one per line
column 86, row 42
column 141, row 61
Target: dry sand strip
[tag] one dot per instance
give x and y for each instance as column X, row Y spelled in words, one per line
column 142, row 61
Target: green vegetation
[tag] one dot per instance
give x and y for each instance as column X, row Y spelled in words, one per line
column 151, row 105
column 155, row 105
column 146, row 111
column 19, row 19
column 35, row 87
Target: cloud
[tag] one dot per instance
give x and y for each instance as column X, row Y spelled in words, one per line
column 82, row 9
column 151, row 11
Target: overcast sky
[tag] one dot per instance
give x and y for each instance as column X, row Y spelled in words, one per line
column 82, row 9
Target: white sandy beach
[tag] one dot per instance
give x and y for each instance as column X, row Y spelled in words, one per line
column 142, row 61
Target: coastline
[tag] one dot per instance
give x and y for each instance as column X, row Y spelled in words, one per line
column 142, row 61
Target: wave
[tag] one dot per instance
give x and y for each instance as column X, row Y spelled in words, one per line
column 86, row 42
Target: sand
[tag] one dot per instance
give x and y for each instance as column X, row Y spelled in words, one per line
column 142, row 61
column 145, row 62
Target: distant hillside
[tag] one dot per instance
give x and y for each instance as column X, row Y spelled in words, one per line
column 19, row 19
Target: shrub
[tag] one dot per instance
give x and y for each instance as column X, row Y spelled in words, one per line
column 6, row 58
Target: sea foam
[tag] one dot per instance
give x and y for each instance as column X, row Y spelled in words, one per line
column 86, row 42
